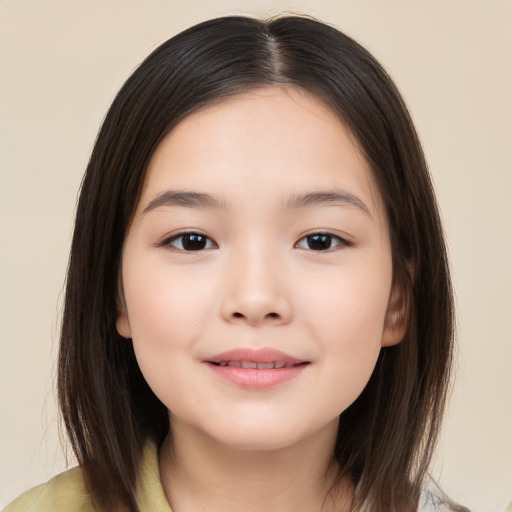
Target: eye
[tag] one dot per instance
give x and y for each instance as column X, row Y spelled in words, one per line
column 321, row 242
column 190, row 242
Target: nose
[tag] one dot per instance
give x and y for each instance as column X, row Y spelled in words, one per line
column 256, row 291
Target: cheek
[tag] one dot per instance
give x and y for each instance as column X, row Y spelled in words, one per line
column 346, row 314
column 350, row 303
column 168, row 314
column 162, row 299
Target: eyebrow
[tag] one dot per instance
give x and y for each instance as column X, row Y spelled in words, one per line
column 186, row 199
column 178, row 198
column 329, row 198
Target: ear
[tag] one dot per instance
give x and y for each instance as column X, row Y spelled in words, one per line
column 122, row 322
column 397, row 315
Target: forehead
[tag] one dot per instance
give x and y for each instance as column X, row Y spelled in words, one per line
column 272, row 141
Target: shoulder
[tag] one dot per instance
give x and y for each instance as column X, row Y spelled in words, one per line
column 65, row 492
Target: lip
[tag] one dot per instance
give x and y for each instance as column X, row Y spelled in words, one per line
column 273, row 367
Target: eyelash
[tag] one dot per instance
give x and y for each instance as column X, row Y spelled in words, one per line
column 322, row 237
column 169, row 241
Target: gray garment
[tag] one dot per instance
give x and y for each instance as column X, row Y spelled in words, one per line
column 431, row 502
column 433, row 499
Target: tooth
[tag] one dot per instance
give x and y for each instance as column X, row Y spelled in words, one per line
column 279, row 365
column 265, row 366
column 248, row 364
column 223, row 363
column 236, row 364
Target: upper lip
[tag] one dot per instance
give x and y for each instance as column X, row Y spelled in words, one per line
column 262, row 355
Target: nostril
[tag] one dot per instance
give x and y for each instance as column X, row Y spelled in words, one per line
column 256, row 317
column 269, row 315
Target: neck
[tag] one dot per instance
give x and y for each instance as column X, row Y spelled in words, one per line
column 198, row 474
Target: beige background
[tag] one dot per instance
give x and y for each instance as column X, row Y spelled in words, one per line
column 61, row 63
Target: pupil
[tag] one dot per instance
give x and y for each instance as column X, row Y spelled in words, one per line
column 194, row 242
column 319, row 242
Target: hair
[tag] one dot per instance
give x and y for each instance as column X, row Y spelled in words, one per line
column 387, row 436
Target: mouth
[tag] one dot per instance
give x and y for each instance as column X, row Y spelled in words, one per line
column 261, row 359
column 253, row 365
column 256, row 369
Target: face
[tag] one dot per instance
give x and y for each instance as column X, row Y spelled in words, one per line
column 257, row 273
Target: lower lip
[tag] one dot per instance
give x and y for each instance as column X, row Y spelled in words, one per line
column 253, row 378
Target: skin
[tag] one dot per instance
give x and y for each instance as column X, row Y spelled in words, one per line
column 258, row 282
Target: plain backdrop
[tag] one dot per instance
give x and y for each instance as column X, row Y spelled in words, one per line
column 62, row 62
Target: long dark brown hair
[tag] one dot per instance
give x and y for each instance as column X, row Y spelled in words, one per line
column 386, row 437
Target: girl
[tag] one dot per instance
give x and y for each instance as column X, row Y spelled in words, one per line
column 258, row 310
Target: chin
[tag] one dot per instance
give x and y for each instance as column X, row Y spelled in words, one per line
column 257, row 443
column 262, row 437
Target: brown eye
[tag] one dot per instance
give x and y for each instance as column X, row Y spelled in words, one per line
column 320, row 242
column 190, row 242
